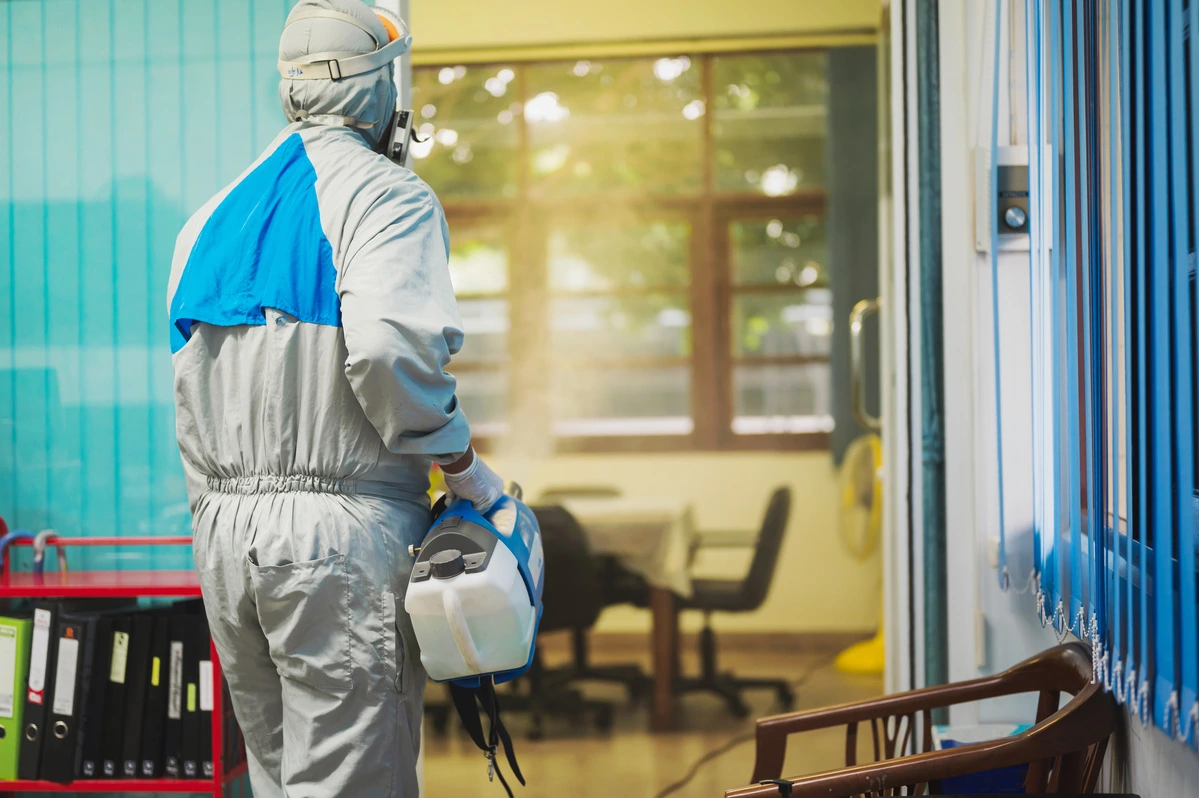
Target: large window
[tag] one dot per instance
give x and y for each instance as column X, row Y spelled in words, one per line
column 638, row 247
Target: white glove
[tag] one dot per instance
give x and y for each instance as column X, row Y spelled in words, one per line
column 478, row 484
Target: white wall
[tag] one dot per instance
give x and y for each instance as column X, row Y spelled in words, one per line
column 988, row 628
column 817, row 586
column 1145, row 761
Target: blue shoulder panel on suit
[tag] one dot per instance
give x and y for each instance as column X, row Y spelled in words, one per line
column 263, row 247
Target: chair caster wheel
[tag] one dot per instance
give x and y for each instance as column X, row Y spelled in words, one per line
column 786, row 700
column 604, row 718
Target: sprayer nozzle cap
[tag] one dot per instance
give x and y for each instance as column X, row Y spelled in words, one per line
column 446, row 564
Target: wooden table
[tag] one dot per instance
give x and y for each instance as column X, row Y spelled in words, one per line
column 652, row 537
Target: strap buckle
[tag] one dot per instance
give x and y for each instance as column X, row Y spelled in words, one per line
column 331, row 63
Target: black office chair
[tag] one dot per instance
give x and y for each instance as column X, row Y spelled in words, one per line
column 620, row 586
column 743, row 595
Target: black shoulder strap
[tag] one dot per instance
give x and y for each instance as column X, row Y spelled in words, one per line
column 467, row 701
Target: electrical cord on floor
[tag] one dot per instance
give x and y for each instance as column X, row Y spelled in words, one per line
column 737, row 740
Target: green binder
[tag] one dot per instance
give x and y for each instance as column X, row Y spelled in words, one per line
column 15, row 636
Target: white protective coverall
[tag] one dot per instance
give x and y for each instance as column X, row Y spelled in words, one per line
column 312, row 321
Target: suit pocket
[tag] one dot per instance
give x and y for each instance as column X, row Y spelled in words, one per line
column 304, row 611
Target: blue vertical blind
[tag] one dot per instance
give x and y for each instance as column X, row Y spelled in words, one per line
column 1113, row 91
column 118, row 119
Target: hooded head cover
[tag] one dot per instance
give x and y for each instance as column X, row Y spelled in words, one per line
column 335, row 59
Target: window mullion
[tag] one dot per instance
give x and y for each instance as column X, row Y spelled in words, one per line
column 709, row 384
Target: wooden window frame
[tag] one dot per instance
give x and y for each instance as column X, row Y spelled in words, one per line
column 709, row 295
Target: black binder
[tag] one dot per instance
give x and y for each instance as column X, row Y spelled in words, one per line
column 113, row 723
column 156, row 698
column 191, row 700
column 172, row 753
column 91, row 723
column 207, row 695
column 137, row 679
column 68, row 695
column 41, row 677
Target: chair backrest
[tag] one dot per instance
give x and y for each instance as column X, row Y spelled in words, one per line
column 1063, row 751
column 766, row 551
column 574, row 587
column 557, row 493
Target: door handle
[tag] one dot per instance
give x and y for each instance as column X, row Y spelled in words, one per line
column 857, row 366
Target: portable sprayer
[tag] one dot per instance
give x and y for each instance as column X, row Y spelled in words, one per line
column 474, row 598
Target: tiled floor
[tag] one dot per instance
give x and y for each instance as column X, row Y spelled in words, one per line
column 629, row 762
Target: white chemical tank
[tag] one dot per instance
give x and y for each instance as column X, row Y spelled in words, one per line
column 474, row 595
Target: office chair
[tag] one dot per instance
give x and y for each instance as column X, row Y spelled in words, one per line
column 620, row 586
column 744, row 595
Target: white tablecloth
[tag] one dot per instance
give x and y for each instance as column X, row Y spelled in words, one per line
column 650, row 536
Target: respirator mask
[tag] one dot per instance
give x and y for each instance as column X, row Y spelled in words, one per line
column 399, row 137
column 396, row 140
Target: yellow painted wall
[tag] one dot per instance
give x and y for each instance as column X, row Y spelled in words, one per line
column 817, row 587
column 454, row 25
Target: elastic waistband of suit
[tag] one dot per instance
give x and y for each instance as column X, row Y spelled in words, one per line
column 257, row 484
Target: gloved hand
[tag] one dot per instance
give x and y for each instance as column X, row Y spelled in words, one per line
column 478, row 484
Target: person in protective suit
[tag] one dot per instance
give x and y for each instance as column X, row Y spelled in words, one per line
column 312, row 321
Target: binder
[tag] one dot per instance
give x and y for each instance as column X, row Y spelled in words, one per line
column 15, row 639
column 68, row 693
column 191, row 701
column 137, row 679
column 112, row 723
column 156, row 699
column 41, row 672
column 91, row 724
column 172, row 745
column 234, row 743
column 206, row 690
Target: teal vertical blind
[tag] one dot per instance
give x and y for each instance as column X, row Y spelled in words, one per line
column 1113, row 93
column 118, row 119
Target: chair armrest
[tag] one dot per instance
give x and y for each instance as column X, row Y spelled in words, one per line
column 725, row 539
column 1089, row 720
column 772, row 732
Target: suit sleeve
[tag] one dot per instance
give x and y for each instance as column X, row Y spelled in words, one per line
column 402, row 326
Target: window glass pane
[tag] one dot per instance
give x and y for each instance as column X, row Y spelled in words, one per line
column 485, row 322
column 484, row 398
column 632, row 124
column 603, row 257
column 775, row 399
column 769, row 122
column 468, row 115
column 622, row 401
column 792, row 323
column 780, row 252
column 614, row 327
column 478, row 258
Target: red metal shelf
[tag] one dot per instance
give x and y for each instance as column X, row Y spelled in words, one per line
column 122, row 584
column 111, row 785
column 100, row 584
